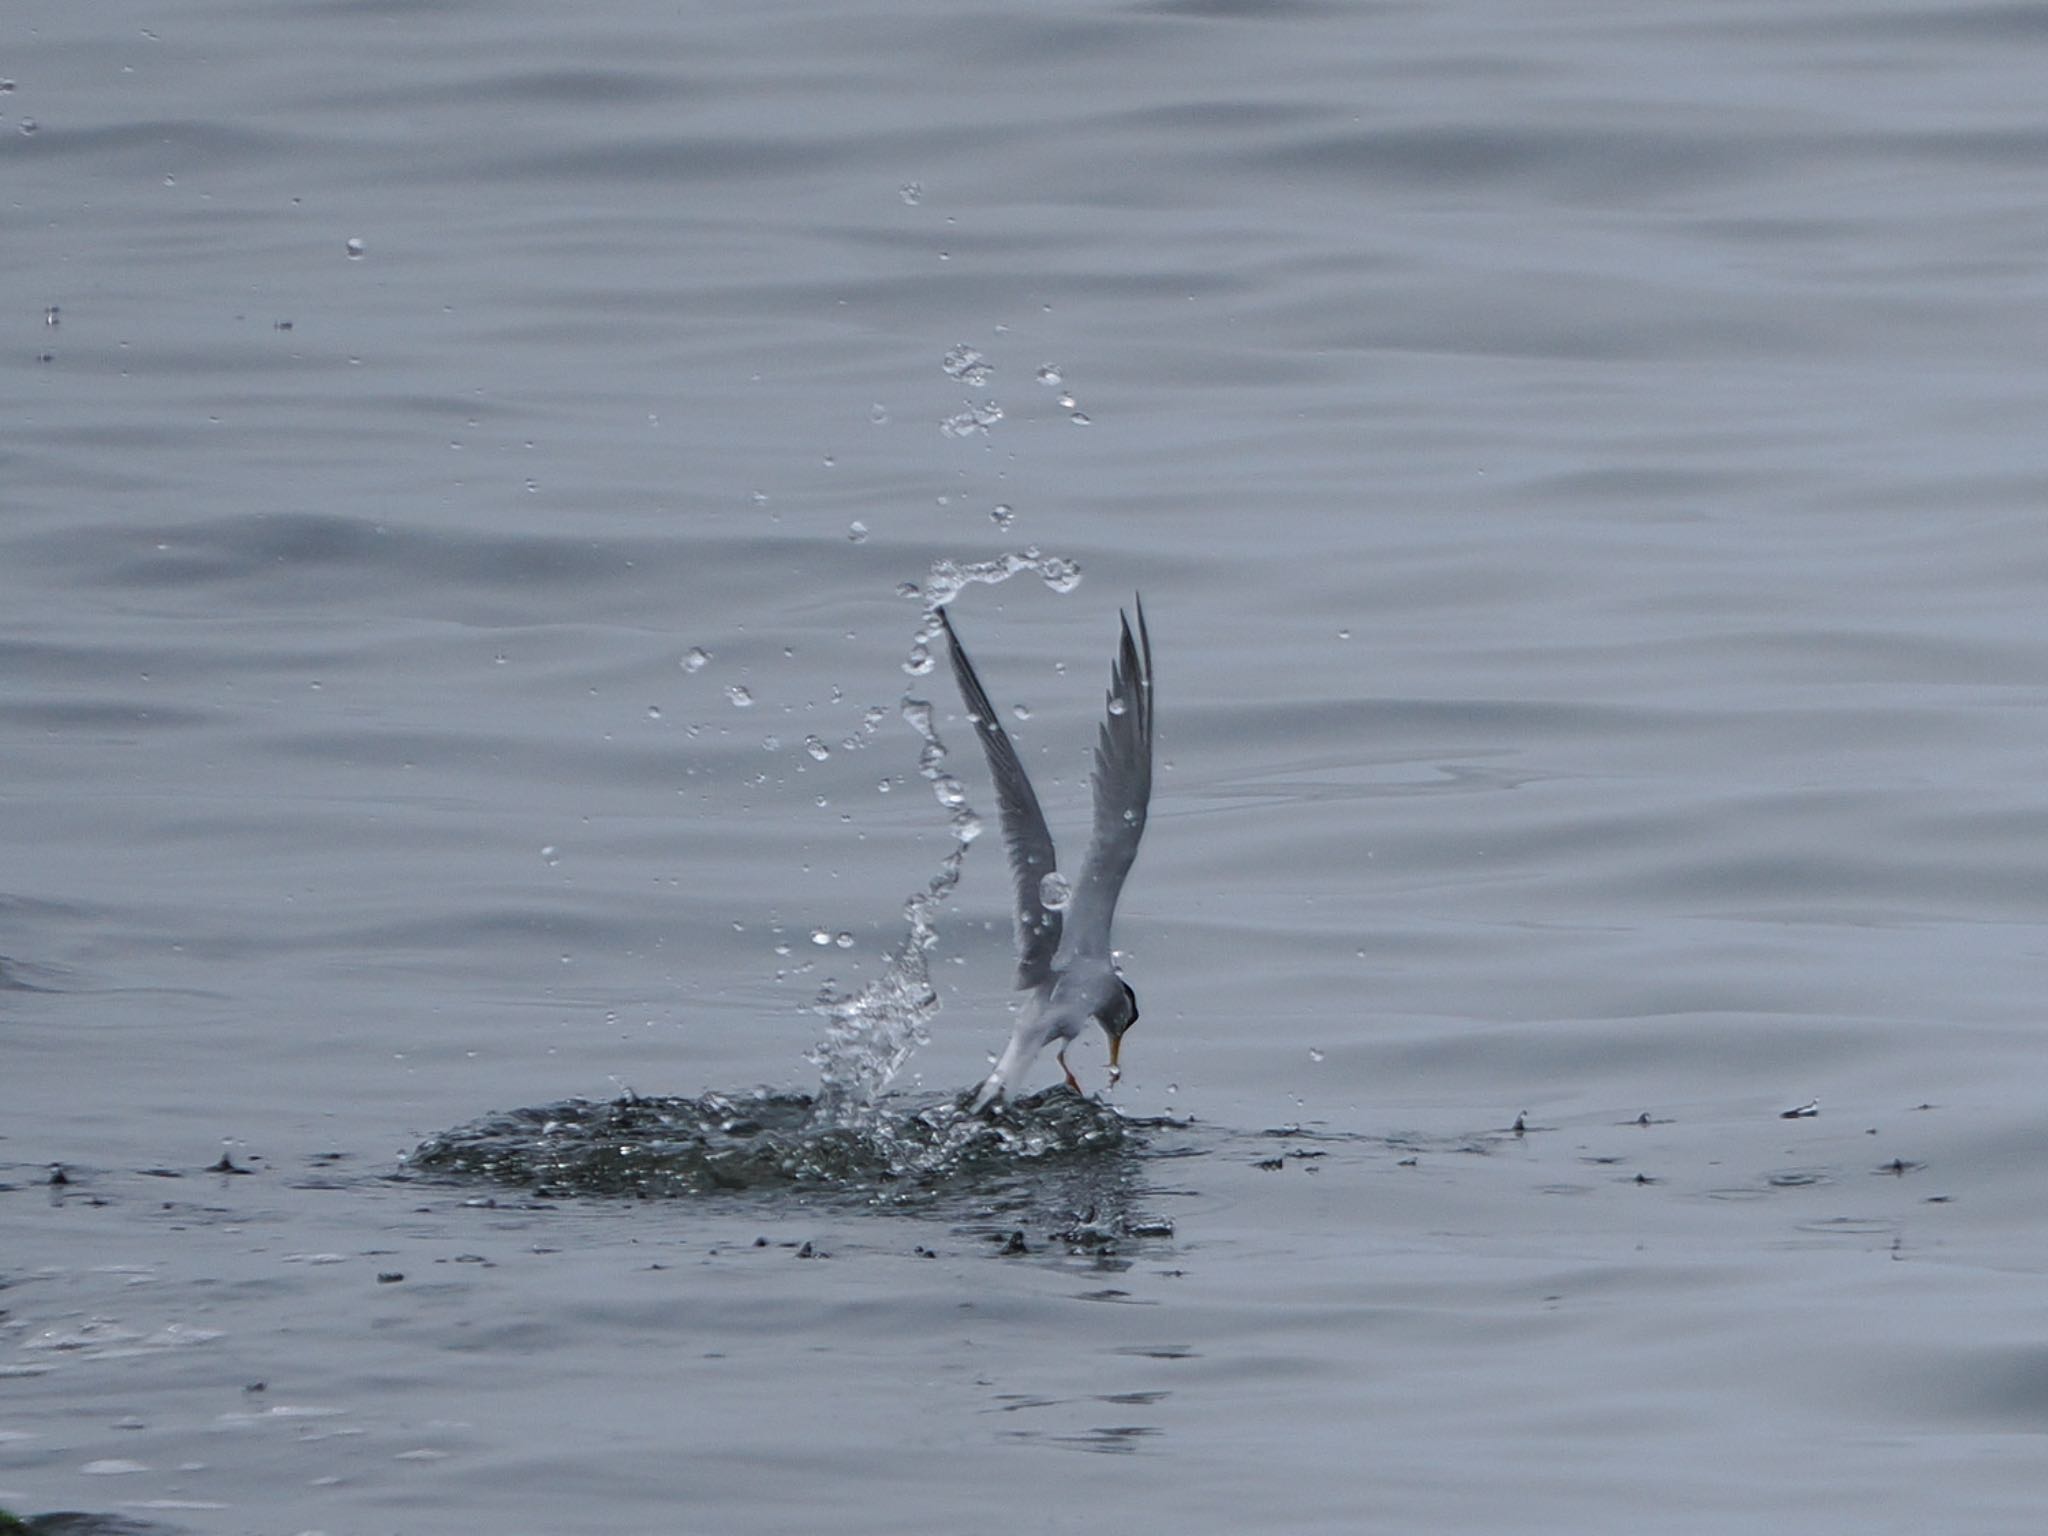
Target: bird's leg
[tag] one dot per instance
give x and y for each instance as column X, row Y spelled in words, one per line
column 1072, row 1081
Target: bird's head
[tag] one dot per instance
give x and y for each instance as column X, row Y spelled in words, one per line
column 1120, row 1014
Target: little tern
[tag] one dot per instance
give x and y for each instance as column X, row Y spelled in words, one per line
column 1064, row 957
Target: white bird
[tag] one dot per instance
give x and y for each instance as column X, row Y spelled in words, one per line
column 1063, row 952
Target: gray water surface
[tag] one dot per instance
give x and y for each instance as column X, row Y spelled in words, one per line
column 1584, row 469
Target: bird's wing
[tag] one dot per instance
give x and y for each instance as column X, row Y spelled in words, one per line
column 1123, row 792
column 1024, row 832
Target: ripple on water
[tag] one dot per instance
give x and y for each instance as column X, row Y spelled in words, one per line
column 907, row 1151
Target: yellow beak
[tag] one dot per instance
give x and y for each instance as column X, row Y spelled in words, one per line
column 1116, row 1045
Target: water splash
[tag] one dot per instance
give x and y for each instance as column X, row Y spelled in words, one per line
column 872, row 1032
column 764, row 1140
column 1045, row 1159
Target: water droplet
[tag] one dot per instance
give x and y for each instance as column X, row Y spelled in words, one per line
column 1001, row 514
column 696, row 659
column 1116, row 704
column 1343, row 634
column 857, row 531
column 1082, row 419
column 882, row 787
column 843, row 940
column 354, row 247
column 1061, row 575
column 654, row 711
column 770, row 744
column 741, row 696
column 878, row 413
column 550, row 855
column 912, row 193
column 817, row 748
column 820, row 937
column 1067, row 401
column 919, row 662
column 967, row 365
column 976, row 418
column 1054, row 893
column 53, row 316
column 1314, row 1054
column 28, row 126
column 1050, row 376
column 1021, row 711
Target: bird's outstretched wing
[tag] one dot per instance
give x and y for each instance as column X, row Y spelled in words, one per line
column 1024, row 832
column 1123, row 793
